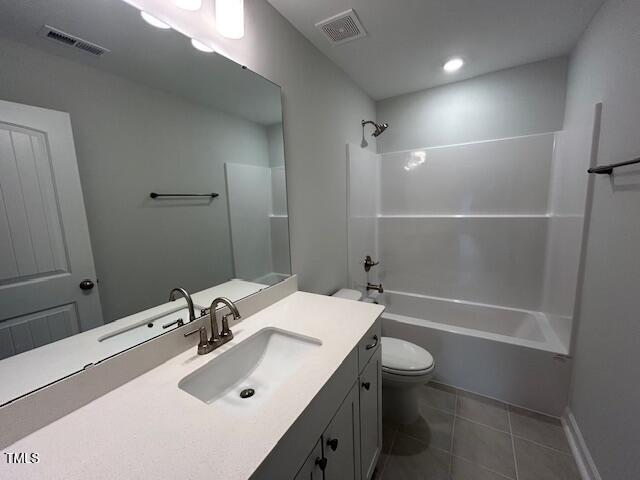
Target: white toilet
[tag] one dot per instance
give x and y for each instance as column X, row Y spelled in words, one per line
column 405, row 368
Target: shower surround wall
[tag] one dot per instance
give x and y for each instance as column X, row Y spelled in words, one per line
column 467, row 222
column 258, row 222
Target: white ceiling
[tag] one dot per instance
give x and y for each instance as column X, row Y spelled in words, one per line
column 409, row 40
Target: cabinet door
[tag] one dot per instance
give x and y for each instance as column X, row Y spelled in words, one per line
column 341, row 442
column 370, row 389
column 312, row 468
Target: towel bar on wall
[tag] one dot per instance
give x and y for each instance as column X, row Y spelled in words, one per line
column 608, row 169
column 158, row 195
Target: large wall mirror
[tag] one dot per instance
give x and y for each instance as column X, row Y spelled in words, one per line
column 98, row 110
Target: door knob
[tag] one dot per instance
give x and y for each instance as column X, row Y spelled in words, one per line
column 86, row 284
column 333, row 444
column 366, row 385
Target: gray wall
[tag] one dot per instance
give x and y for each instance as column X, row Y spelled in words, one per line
column 605, row 394
column 141, row 245
column 523, row 100
column 322, row 108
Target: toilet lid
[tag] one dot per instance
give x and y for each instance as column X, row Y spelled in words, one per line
column 401, row 357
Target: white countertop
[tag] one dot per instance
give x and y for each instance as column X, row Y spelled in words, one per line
column 149, row 428
column 32, row 369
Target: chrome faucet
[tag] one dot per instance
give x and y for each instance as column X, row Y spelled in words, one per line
column 375, row 286
column 187, row 297
column 220, row 338
column 217, row 338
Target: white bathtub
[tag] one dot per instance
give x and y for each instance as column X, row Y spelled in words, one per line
column 509, row 354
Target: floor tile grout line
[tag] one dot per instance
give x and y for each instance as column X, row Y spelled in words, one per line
column 422, row 403
column 564, row 452
column 425, row 403
column 506, row 404
column 483, row 467
column 387, row 457
column 453, row 432
column 467, row 419
column 422, row 441
column 442, row 410
column 513, row 444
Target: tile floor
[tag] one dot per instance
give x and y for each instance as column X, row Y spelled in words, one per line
column 462, row 436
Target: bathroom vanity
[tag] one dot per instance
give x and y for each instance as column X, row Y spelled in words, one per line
column 314, row 364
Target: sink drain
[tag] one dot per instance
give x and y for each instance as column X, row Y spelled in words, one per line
column 247, row 392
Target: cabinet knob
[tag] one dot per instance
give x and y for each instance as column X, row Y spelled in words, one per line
column 366, row 385
column 333, row 444
column 374, row 344
column 322, row 463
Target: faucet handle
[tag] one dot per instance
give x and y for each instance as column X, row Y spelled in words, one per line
column 226, row 331
column 203, row 345
column 368, row 263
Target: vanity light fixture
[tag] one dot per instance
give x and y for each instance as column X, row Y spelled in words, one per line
column 191, row 5
column 230, row 18
column 151, row 20
column 453, row 65
column 198, row 45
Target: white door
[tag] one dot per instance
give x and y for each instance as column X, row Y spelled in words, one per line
column 45, row 251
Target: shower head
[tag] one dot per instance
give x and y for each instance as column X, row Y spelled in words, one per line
column 378, row 128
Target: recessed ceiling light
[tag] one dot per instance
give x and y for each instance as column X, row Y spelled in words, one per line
column 151, row 20
column 191, row 5
column 453, row 65
column 198, row 45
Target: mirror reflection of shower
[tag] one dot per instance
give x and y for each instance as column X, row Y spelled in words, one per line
column 378, row 128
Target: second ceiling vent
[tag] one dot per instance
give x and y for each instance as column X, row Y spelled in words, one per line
column 69, row 40
column 341, row 28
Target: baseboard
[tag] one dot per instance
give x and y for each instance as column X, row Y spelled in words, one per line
column 584, row 460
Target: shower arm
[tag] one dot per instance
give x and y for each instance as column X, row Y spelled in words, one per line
column 369, row 122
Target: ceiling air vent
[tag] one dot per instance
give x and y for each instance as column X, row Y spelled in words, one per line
column 341, row 28
column 72, row 41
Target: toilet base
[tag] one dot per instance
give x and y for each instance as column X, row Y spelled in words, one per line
column 400, row 405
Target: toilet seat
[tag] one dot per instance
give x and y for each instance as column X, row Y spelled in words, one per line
column 407, row 373
column 404, row 358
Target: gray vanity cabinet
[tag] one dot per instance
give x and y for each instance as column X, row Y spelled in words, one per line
column 336, row 455
column 311, row 470
column 370, row 406
column 340, row 441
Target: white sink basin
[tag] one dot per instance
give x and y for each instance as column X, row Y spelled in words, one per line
column 262, row 363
